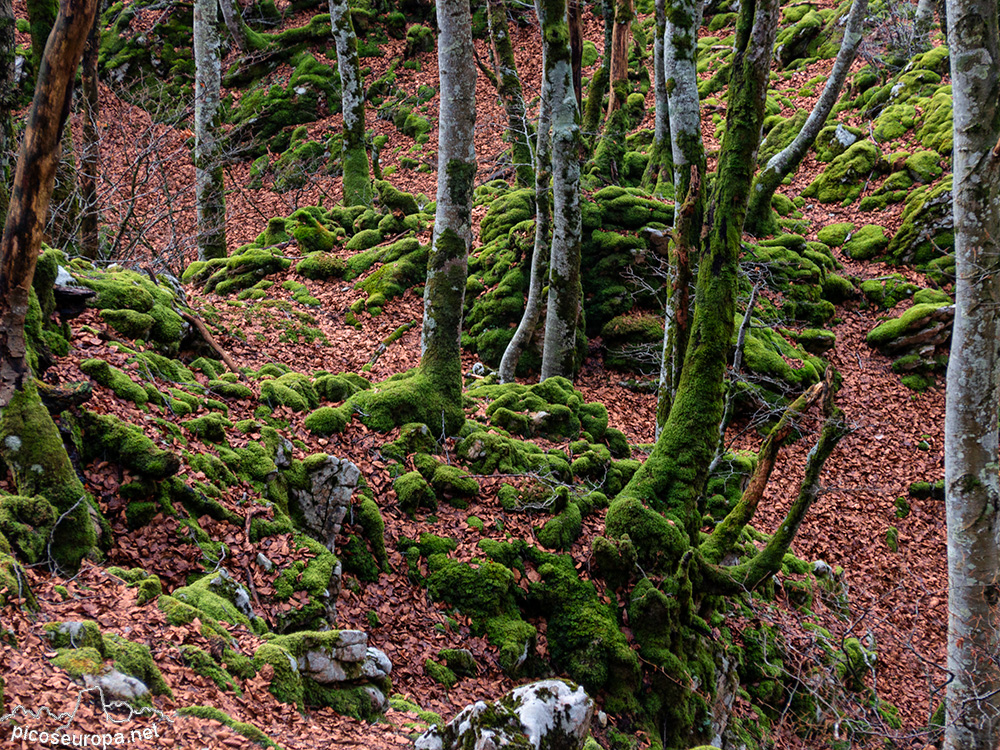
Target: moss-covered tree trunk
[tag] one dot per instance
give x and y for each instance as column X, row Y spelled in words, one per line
column 680, row 60
column 576, row 50
column 447, row 267
column 41, row 16
column 659, row 171
column 234, row 23
column 357, row 180
column 618, row 71
column 28, row 438
column 564, row 301
column 90, row 148
column 8, row 98
column 509, row 89
column 210, row 195
column 540, row 251
column 594, row 109
column 972, row 435
column 760, row 218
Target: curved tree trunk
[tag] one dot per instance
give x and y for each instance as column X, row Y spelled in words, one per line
column 620, row 36
column 234, row 23
column 90, row 150
column 760, row 217
column 540, row 251
column 509, row 89
column 659, row 171
column 209, row 190
column 357, row 181
column 447, row 267
column 972, row 488
column 563, row 311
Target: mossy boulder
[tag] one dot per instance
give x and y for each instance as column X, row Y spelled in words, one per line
column 632, row 342
column 835, row 235
column 843, row 180
column 867, row 242
column 927, row 230
column 921, row 325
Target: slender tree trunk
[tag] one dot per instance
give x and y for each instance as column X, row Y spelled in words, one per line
column 599, row 84
column 209, row 189
column 673, row 477
column 234, row 23
column 563, row 312
column 540, row 252
column 8, row 97
column 621, row 34
column 576, row 50
column 509, row 89
column 659, row 172
column 760, row 217
column 972, row 488
column 357, row 182
column 90, row 150
column 447, row 267
column 41, row 16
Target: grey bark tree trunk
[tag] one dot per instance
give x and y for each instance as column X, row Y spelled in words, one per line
column 234, row 23
column 447, row 267
column 540, row 252
column 659, row 172
column 972, row 488
column 509, row 89
column 357, row 181
column 209, row 190
column 760, row 218
column 563, row 312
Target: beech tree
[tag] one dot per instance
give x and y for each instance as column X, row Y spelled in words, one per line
column 7, row 99
column 972, row 487
column 357, row 181
column 760, row 217
column 620, row 37
column 509, row 88
column 209, row 189
column 563, row 312
column 90, row 149
column 29, row 440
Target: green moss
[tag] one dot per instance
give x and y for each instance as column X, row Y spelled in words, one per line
column 14, row 587
column 78, row 661
column 211, row 427
column 560, row 532
column 136, row 660
column 72, row 635
column 867, row 242
column 835, row 235
column 414, row 492
column 321, row 265
column 26, row 522
column 369, row 518
column 327, row 420
column 911, row 320
column 843, row 180
column 109, row 437
column 440, row 673
column 113, row 378
column 286, row 682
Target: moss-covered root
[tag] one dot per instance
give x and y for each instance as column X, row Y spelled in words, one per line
column 31, row 446
column 413, row 396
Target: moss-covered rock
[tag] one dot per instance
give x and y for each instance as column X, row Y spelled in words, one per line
column 843, row 180
column 866, row 243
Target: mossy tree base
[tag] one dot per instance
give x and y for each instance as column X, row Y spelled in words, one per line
column 413, row 396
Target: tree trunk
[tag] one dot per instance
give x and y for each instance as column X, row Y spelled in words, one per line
column 576, row 50
column 620, row 36
column 8, row 97
column 357, row 181
column 209, row 190
column 540, row 252
column 234, row 23
column 563, row 312
column 509, row 89
column 760, row 218
column 659, row 172
column 28, row 437
column 972, row 489
column 41, row 15
column 447, row 267
column 599, row 84
column 90, row 151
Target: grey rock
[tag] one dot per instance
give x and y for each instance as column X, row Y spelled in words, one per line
column 116, row 686
column 325, row 502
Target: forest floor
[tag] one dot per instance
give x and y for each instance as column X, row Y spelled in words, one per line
column 897, row 597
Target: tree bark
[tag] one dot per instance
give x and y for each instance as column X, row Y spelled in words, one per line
column 540, row 252
column 209, row 189
column 620, row 36
column 972, row 488
column 90, row 151
column 509, row 89
column 447, row 267
column 576, row 50
column 599, row 84
column 760, row 218
column 32, row 189
column 660, row 161
column 563, row 312
column 234, row 23
column 357, row 181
